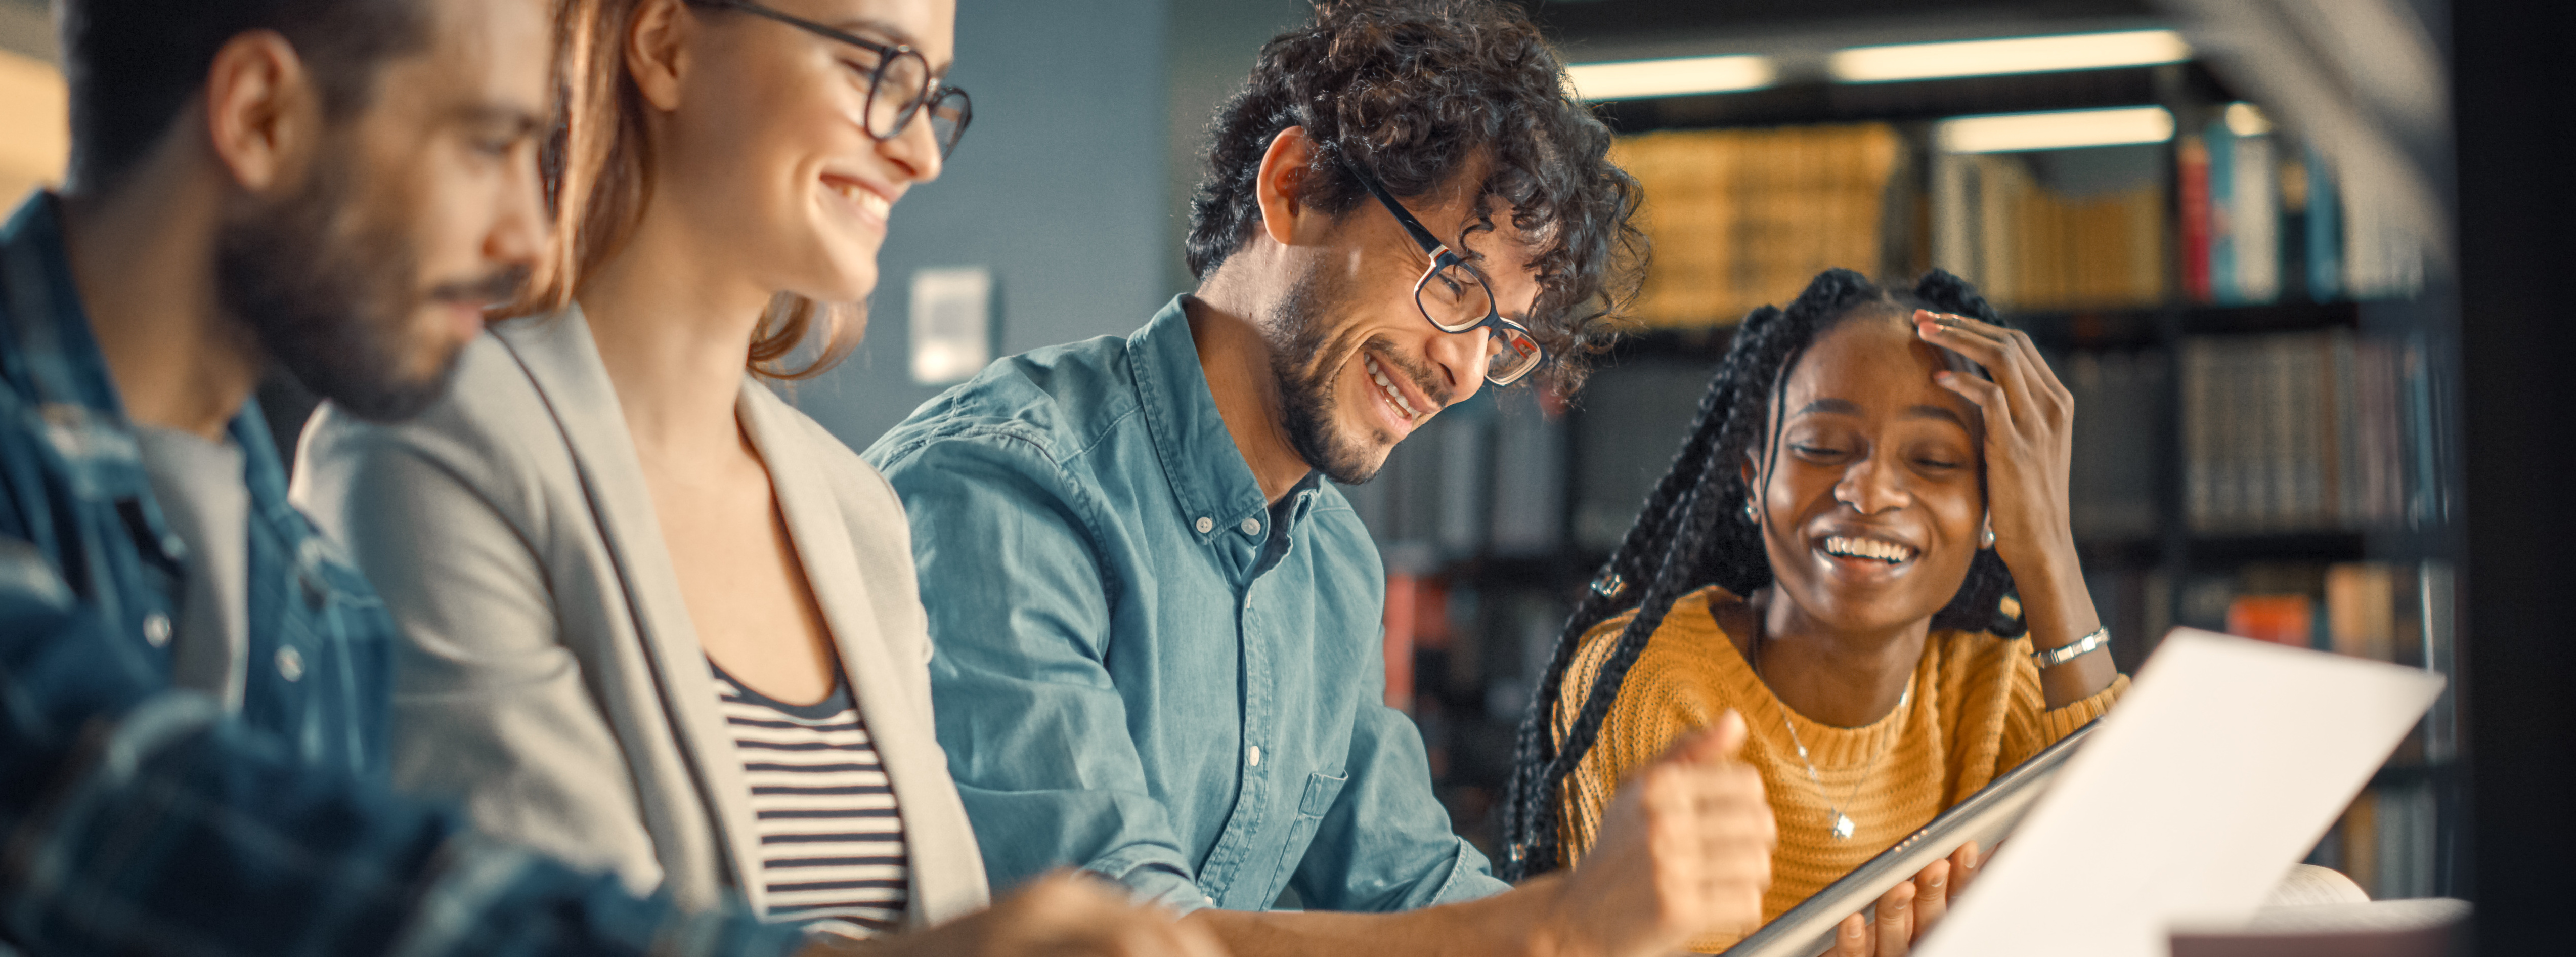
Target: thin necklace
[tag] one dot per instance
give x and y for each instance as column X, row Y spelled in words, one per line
column 1843, row 828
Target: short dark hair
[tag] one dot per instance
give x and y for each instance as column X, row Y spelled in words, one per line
column 1418, row 90
column 133, row 64
column 1693, row 532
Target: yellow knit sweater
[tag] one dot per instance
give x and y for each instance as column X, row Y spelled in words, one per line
column 1975, row 709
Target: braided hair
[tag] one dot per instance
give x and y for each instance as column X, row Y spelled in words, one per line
column 1694, row 531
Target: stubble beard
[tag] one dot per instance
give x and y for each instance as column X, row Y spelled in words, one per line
column 1298, row 328
column 328, row 291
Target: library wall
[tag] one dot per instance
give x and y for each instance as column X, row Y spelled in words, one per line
column 1058, row 188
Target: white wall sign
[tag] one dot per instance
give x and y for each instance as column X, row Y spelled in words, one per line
column 952, row 323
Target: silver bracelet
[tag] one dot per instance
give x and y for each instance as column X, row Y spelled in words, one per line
column 2053, row 657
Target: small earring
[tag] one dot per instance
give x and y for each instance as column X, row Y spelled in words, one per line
column 1751, row 516
column 1986, row 537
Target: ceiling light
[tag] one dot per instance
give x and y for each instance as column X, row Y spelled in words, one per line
column 2081, row 51
column 2064, row 129
column 2246, row 119
column 1641, row 79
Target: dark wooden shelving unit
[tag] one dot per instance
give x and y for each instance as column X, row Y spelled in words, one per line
column 1503, row 600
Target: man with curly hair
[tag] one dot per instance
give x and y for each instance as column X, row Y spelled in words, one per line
column 1167, row 668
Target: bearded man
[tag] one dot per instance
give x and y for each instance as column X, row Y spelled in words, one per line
column 1157, row 620
column 193, row 681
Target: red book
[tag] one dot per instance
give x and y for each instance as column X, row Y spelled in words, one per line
column 2280, row 619
column 2191, row 178
column 1401, row 590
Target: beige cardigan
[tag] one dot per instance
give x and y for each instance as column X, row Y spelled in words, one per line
column 548, row 675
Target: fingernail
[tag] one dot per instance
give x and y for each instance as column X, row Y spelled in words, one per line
column 1944, row 375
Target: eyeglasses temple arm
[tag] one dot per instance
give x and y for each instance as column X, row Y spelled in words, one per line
column 1422, row 235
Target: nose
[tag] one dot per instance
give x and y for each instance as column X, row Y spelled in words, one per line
column 915, row 149
column 1873, row 485
column 519, row 226
column 1461, row 358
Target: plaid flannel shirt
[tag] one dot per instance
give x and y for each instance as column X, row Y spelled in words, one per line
column 136, row 818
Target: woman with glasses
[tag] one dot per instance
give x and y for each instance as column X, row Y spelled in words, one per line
column 655, row 619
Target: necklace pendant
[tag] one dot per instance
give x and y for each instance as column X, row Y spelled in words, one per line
column 1843, row 826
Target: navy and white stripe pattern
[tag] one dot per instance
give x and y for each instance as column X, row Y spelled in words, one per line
column 831, row 839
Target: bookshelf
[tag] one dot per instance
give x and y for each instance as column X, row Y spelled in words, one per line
column 2324, row 522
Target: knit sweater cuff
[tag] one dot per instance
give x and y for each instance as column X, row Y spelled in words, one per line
column 2056, row 723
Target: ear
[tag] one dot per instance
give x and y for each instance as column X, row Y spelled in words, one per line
column 656, row 44
column 1747, row 470
column 1281, row 187
column 263, row 115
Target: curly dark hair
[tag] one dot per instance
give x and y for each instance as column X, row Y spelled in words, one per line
column 1693, row 532
column 1418, row 90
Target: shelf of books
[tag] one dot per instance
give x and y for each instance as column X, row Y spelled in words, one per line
column 2258, row 392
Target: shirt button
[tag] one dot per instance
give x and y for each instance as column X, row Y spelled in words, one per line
column 174, row 546
column 1256, row 755
column 156, row 629
column 290, row 664
column 1252, row 526
column 1206, row 525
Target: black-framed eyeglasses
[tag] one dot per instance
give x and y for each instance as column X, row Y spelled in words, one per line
column 1456, row 298
column 899, row 87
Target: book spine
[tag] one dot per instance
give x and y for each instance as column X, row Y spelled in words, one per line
column 2282, row 449
column 2423, row 505
column 2325, row 232
column 2254, row 221
column 2199, row 431
column 2089, row 502
column 1954, row 217
column 2191, row 180
column 2221, row 178
column 2341, row 428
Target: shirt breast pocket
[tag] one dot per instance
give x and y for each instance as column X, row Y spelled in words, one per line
column 1321, row 790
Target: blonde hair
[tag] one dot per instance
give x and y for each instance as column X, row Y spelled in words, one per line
column 599, row 166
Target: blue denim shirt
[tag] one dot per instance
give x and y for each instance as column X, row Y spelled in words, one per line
column 1140, row 674
column 143, row 819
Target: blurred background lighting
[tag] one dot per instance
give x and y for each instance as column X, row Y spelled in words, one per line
column 2082, row 51
column 2058, row 130
column 1642, row 79
column 2246, row 119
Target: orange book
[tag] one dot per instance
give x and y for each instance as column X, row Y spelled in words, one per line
column 2281, row 619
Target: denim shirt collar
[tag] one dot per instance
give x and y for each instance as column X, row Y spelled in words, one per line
column 1208, row 473
column 84, row 419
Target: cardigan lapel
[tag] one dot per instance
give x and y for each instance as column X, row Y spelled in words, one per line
column 562, row 360
column 913, row 759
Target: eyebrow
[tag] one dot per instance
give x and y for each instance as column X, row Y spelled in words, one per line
column 899, row 35
column 1848, row 407
column 522, row 122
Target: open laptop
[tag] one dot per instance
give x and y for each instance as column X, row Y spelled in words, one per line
column 2225, row 762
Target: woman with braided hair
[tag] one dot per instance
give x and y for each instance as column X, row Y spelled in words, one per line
column 1862, row 548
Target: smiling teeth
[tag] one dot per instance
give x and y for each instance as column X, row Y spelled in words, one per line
column 867, row 199
column 1888, row 552
column 1392, row 394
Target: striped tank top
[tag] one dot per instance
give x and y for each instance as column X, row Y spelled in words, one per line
column 831, row 840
